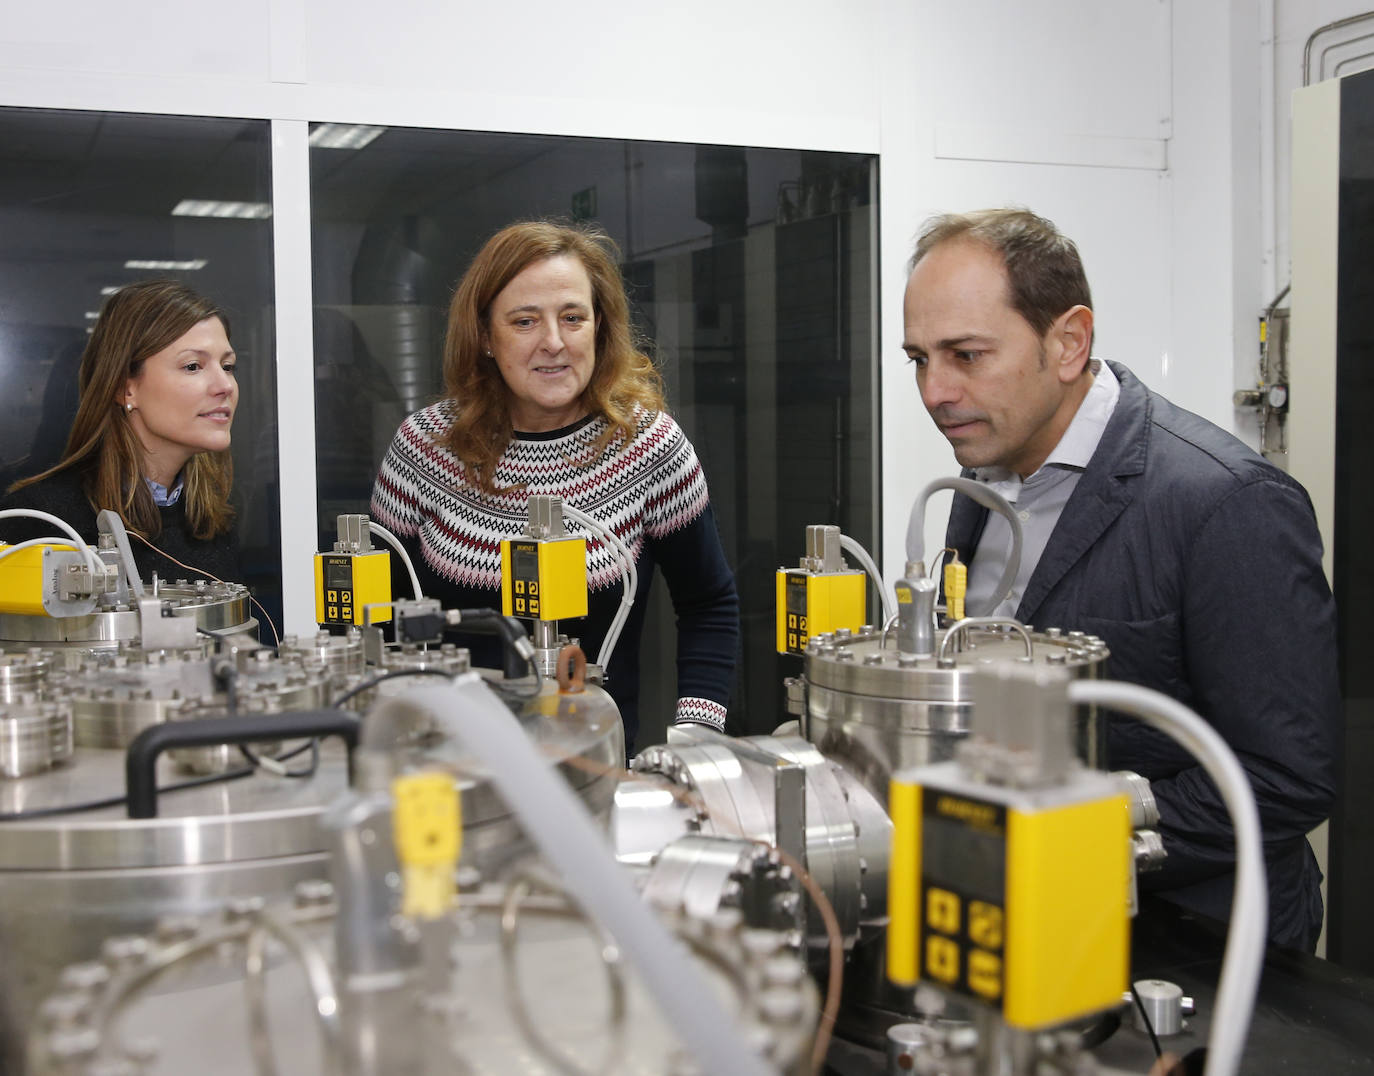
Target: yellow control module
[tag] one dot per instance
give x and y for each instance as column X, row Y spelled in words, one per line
column 1013, row 897
column 822, row 595
column 352, row 577
column 544, row 578
column 812, row 603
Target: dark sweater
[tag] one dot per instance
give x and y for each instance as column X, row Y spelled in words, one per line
column 63, row 495
column 651, row 493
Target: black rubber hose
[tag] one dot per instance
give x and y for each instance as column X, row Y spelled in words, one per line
column 140, row 761
column 515, row 648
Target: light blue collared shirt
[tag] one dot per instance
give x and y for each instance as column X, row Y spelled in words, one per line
column 1040, row 499
column 162, row 496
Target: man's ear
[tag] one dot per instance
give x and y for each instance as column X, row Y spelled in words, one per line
column 1072, row 331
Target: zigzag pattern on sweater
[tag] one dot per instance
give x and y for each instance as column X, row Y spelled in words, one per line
column 651, row 488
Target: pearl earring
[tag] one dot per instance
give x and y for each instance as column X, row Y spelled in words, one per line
column 128, row 407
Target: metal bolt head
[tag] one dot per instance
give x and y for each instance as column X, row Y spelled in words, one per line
column 73, row 1045
column 783, row 971
column 124, row 950
column 780, row 1007
column 313, row 893
column 65, row 1011
column 241, row 908
column 89, row 977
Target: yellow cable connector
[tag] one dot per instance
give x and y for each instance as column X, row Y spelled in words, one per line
column 956, row 586
column 428, row 827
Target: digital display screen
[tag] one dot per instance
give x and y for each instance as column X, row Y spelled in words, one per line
column 960, row 858
column 525, row 561
column 796, row 594
column 338, row 575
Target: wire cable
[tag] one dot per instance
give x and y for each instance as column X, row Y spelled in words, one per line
column 861, row 555
column 629, row 572
column 179, row 786
column 1145, row 1019
column 395, row 543
column 276, row 639
column 1245, row 936
column 92, row 561
column 988, row 498
column 371, row 682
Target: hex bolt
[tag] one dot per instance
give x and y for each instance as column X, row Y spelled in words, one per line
column 313, row 893
column 65, row 1011
column 171, row 929
column 89, row 977
column 241, row 908
column 125, row 950
column 779, row 1007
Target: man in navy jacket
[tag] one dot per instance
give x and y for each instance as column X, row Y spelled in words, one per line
column 1196, row 560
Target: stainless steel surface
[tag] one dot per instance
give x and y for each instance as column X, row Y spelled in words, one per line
column 472, row 1016
column 24, row 673
column 217, row 607
column 735, row 783
column 34, row 737
column 878, row 710
column 342, row 655
column 252, row 818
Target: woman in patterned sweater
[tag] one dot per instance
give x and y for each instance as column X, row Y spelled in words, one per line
column 546, row 393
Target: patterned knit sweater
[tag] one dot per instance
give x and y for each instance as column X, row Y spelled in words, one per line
column 652, row 493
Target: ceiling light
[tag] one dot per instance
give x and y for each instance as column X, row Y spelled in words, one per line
column 110, row 289
column 200, row 207
column 91, row 315
column 194, row 263
column 343, row 135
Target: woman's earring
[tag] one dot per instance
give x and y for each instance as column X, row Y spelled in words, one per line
column 128, row 407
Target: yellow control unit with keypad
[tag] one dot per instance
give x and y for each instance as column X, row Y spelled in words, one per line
column 812, row 603
column 544, row 578
column 345, row 583
column 1016, row 898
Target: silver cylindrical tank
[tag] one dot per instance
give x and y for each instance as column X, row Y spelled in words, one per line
column 69, row 879
column 222, row 608
column 879, row 710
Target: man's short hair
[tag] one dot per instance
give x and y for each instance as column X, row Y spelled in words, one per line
column 1043, row 266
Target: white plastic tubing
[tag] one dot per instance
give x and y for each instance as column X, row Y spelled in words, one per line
column 66, row 528
column 1245, row 938
column 628, row 572
column 559, row 823
column 988, row 498
column 859, row 553
column 395, row 543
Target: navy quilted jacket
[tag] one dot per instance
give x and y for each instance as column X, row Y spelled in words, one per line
column 1199, row 563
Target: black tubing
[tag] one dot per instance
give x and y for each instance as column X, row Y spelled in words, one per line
column 515, row 666
column 140, row 761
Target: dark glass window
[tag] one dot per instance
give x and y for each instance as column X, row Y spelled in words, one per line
column 83, row 194
column 749, row 269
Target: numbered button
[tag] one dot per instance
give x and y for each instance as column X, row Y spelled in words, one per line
column 985, row 924
column 942, row 911
column 942, row 959
column 985, row 973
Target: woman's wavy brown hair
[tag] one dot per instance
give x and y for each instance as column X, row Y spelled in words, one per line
column 135, row 323
column 623, row 377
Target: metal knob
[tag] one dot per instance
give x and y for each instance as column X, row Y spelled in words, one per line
column 1162, row 1002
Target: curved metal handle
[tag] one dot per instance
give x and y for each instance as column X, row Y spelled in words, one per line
column 985, row 622
column 140, row 761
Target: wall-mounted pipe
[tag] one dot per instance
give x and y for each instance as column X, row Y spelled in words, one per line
column 1339, row 24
